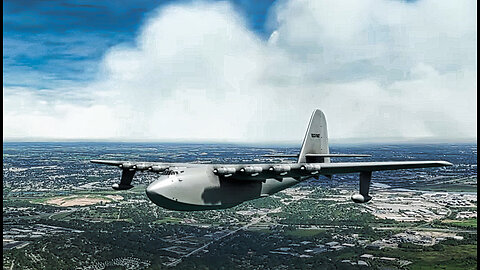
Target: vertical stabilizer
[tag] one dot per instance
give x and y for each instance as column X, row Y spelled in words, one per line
column 316, row 139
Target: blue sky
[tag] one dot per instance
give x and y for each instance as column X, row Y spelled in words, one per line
column 49, row 43
column 239, row 71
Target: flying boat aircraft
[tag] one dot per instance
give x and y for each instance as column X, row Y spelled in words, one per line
column 190, row 186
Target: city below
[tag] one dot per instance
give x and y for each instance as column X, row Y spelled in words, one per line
column 59, row 212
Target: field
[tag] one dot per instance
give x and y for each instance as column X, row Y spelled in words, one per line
column 467, row 184
column 304, row 232
column 469, row 223
column 77, row 200
column 461, row 257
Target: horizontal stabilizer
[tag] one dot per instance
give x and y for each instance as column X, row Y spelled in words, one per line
column 317, row 155
column 337, row 155
column 281, row 156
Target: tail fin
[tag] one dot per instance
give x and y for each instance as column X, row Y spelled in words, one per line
column 316, row 139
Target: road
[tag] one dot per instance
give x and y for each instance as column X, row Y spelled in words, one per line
column 254, row 221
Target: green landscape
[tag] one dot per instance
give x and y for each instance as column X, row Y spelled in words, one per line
column 302, row 225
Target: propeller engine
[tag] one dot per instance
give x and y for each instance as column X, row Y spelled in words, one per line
column 127, row 166
column 158, row 169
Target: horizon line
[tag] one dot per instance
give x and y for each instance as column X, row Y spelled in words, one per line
column 403, row 140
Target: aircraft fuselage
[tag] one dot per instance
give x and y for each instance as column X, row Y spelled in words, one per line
column 201, row 189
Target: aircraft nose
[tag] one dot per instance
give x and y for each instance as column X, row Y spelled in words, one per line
column 154, row 190
column 151, row 191
column 160, row 193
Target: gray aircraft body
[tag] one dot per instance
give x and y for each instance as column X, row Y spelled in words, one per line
column 189, row 186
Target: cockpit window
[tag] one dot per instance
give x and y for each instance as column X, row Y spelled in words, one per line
column 169, row 172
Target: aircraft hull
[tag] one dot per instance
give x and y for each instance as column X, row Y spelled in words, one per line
column 198, row 189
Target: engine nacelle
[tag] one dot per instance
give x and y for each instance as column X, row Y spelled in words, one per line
column 224, row 170
column 280, row 168
column 127, row 166
column 251, row 169
column 310, row 167
column 141, row 166
column 359, row 198
column 157, row 168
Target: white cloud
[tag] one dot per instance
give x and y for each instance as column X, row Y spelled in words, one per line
column 377, row 68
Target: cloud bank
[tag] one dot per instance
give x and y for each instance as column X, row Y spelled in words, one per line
column 378, row 69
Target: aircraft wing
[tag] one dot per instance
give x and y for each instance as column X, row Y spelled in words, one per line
column 366, row 168
column 129, row 168
column 352, row 167
column 107, row 162
column 142, row 166
column 260, row 172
